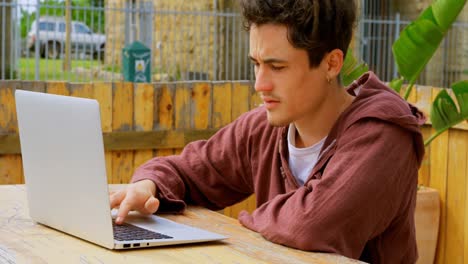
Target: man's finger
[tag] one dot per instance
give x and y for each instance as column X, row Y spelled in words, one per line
column 116, row 198
column 151, row 205
column 125, row 207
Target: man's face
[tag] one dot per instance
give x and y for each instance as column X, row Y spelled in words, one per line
column 291, row 90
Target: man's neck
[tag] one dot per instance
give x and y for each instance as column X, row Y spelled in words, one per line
column 316, row 126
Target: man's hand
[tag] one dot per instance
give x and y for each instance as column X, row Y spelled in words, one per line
column 140, row 196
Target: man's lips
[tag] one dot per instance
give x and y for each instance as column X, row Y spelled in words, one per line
column 270, row 102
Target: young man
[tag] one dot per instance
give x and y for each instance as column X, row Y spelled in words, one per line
column 333, row 169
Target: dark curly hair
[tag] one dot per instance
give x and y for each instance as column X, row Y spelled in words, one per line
column 317, row 26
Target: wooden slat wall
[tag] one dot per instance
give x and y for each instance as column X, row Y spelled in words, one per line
column 240, row 103
column 103, row 93
column 10, row 165
column 164, row 112
column 445, row 168
column 208, row 106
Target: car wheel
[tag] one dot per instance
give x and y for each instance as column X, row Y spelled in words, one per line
column 53, row 50
column 98, row 55
column 42, row 52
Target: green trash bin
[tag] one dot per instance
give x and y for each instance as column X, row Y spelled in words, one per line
column 136, row 60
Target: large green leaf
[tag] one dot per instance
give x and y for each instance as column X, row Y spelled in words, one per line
column 460, row 89
column 396, row 84
column 352, row 69
column 444, row 113
column 419, row 40
column 415, row 47
column 445, row 12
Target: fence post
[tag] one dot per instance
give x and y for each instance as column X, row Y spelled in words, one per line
column 36, row 45
column 215, row 49
column 7, row 40
column 397, row 35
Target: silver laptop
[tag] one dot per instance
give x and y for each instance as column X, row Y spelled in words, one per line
column 65, row 174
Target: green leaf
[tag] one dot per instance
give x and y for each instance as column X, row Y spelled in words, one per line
column 444, row 113
column 352, row 69
column 415, row 47
column 460, row 89
column 396, row 84
column 427, row 14
column 446, row 11
column 420, row 39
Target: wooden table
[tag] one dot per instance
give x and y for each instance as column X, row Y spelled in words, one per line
column 23, row 241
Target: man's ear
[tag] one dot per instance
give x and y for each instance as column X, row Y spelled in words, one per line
column 334, row 61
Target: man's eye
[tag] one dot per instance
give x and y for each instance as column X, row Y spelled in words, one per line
column 277, row 68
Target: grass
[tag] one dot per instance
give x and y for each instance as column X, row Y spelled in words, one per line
column 52, row 70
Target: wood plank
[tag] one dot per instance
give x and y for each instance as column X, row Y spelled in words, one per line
column 34, row 86
column 128, row 140
column 465, row 231
column 60, row 88
column 164, row 107
column 122, row 120
column 240, row 99
column 424, row 100
column 9, row 143
column 82, row 90
column 412, row 98
column 103, row 93
column 23, row 241
column 222, row 113
column 222, row 104
column 438, row 181
column 183, row 93
column 164, row 139
column 241, row 95
column 424, row 172
column 144, row 116
column 255, row 99
column 251, row 203
column 456, row 195
column 201, row 106
column 11, row 170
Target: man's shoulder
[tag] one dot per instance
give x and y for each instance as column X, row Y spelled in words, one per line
column 377, row 100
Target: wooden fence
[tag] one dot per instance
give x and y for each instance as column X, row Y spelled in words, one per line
column 140, row 121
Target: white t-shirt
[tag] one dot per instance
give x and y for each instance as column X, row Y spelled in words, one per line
column 302, row 160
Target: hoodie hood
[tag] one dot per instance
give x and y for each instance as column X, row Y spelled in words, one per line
column 374, row 99
column 383, row 103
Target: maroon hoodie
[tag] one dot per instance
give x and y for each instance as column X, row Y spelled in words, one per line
column 359, row 200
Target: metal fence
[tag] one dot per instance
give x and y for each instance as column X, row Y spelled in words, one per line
column 448, row 65
column 185, row 45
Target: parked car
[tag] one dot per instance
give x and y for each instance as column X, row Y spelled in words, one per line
column 52, row 38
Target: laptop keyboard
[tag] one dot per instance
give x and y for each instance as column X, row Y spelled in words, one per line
column 126, row 232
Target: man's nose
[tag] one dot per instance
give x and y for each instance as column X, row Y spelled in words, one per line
column 262, row 81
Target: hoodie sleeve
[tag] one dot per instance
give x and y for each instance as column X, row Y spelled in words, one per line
column 213, row 173
column 368, row 183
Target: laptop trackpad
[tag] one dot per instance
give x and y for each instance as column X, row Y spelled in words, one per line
column 165, row 226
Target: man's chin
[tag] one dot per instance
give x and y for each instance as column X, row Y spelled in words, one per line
column 276, row 121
